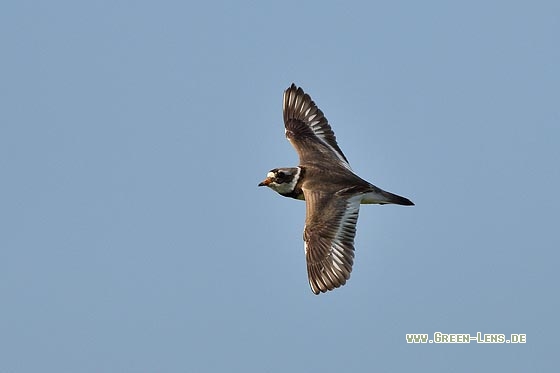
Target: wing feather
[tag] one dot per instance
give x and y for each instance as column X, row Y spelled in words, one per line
column 329, row 232
column 308, row 130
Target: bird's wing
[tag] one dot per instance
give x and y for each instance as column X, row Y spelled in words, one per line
column 330, row 227
column 308, row 130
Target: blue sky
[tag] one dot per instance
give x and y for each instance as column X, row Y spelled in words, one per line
column 133, row 136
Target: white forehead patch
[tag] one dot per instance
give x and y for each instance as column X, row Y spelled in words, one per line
column 270, row 175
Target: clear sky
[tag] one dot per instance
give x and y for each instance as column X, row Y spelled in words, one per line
column 133, row 135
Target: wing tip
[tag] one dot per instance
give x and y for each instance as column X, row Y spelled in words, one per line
column 325, row 277
column 296, row 102
column 323, row 288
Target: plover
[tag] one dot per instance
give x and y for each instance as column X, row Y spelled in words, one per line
column 332, row 192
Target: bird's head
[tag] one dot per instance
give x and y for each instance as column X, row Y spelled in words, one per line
column 284, row 181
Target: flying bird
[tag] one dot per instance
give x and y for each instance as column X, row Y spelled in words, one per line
column 331, row 190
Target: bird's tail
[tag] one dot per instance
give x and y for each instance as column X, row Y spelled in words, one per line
column 381, row 197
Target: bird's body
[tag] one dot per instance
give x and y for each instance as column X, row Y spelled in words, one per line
column 332, row 191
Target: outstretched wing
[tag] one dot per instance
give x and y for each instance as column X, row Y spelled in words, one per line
column 330, row 227
column 308, row 130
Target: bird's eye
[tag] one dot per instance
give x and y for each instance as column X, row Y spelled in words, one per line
column 280, row 174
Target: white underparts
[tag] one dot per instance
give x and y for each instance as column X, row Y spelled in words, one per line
column 374, row 198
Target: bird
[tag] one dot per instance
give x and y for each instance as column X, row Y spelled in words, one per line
column 332, row 192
